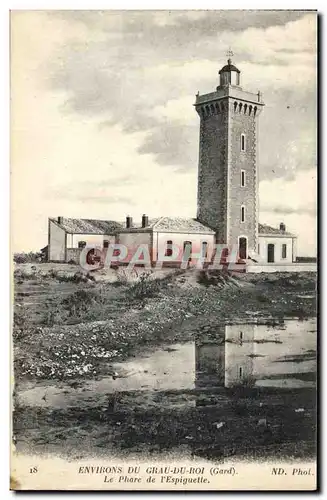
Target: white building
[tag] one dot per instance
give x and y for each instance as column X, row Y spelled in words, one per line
column 67, row 237
column 227, row 194
column 168, row 237
column 163, row 236
column 276, row 245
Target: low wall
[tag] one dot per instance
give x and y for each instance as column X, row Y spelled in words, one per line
column 73, row 254
column 295, row 267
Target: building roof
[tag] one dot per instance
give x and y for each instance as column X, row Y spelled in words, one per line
column 163, row 224
column 137, row 226
column 180, row 224
column 172, row 224
column 88, row 226
column 265, row 229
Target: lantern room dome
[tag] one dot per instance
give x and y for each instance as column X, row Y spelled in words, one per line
column 229, row 74
column 229, row 67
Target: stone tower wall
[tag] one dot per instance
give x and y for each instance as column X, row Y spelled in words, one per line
column 241, row 122
column 212, row 176
column 221, row 160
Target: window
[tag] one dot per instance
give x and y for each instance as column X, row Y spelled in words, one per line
column 284, row 251
column 169, row 249
column 106, row 244
column 242, row 213
column 187, row 254
column 204, row 249
column 242, row 178
column 81, row 244
column 259, row 248
column 240, row 371
column 243, row 142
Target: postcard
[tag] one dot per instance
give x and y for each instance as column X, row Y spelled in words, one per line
column 164, row 250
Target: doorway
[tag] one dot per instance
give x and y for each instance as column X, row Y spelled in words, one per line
column 242, row 247
column 187, row 251
column 271, row 252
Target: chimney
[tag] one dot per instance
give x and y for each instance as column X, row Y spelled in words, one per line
column 129, row 222
column 60, row 220
column 145, row 220
column 282, row 227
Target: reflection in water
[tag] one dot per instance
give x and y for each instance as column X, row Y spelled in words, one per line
column 256, row 422
column 256, row 355
column 239, row 347
column 226, row 360
column 176, row 398
column 228, row 356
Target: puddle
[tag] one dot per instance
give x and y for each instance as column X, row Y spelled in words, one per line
column 247, row 355
column 244, row 391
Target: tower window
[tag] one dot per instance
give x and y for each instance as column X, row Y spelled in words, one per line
column 242, row 213
column 105, row 243
column 81, row 244
column 243, row 142
column 243, row 178
column 284, row 251
column 240, row 372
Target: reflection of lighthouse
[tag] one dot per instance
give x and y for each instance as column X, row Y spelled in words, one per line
column 210, row 359
column 239, row 354
column 225, row 359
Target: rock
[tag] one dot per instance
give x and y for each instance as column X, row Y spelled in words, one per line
column 219, row 425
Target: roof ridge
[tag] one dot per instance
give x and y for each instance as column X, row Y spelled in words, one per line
column 158, row 221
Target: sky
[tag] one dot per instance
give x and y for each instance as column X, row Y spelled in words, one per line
column 103, row 123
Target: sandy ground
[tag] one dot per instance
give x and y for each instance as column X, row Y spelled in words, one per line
column 82, row 346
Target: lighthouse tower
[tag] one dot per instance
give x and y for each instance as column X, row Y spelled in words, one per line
column 227, row 175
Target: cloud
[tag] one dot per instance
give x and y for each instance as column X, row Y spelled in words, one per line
column 107, row 200
column 89, row 195
column 172, row 145
column 145, row 83
column 123, row 180
column 285, row 210
column 175, row 110
column 199, row 22
column 102, row 107
column 297, row 196
column 292, row 201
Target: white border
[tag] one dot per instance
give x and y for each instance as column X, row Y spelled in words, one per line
column 4, row 185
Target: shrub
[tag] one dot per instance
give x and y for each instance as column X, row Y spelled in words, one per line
column 21, row 316
column 78, row 277
column 215, row 277
column 144, row 287
column 245, row 382
column 78, row 302
column 122, row 278
column 25, row 258
column 262, row 298
column 20, row 275
column 21, row 323
column 53, row 313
